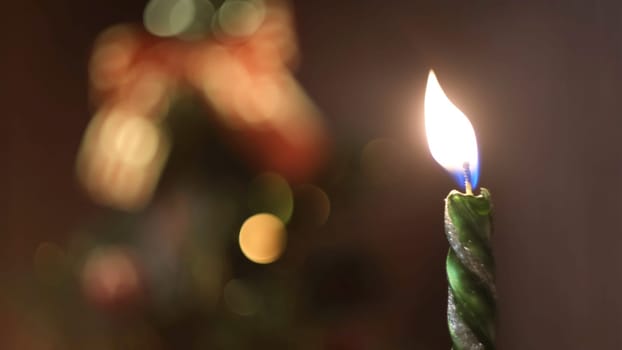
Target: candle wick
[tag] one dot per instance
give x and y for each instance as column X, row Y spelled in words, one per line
column 467, row 178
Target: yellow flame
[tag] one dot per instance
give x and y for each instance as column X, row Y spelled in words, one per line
column 451, row 137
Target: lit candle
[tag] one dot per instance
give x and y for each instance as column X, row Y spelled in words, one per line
column 470, row 264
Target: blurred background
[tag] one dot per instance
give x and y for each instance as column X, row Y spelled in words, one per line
column 254, row 174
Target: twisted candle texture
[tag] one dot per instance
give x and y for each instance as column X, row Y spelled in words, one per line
column 470, row 271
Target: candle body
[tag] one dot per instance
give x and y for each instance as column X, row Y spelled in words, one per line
column 471, row 305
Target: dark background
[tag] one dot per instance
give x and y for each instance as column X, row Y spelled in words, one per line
column 540, row 83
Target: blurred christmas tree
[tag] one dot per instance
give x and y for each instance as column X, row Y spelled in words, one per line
column 202, row 152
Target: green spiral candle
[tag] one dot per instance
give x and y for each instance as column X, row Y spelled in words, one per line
column 470, row 271
column 472, row 296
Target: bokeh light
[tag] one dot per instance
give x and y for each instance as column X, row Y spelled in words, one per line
column 112, row 57
column 312, row 205
column 240, row 18
column 261, row 101
column 132, row 140
column 148, row 94
column 169, row 17
column 202, row 21
column 270, row 193
column 240, row 299
column 121, row 159
column 263, row 238
column 111, row 276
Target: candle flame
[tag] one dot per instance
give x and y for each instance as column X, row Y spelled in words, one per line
column 451, row 137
